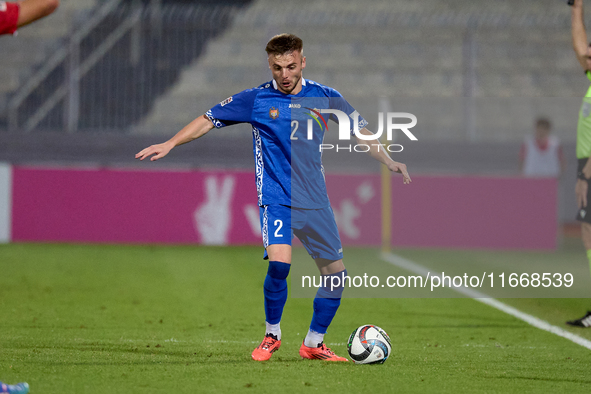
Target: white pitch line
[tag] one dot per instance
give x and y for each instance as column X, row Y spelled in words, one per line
column 411, row 266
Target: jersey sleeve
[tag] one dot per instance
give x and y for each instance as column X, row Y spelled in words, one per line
column 337, row 101
column 233, row 110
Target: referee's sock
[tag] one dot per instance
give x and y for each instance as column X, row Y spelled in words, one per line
column 326, row 304
column 275, row 291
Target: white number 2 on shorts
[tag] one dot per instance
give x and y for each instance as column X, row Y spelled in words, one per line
column 280, row 224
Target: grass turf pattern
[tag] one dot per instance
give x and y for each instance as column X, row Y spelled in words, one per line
column 183, row 319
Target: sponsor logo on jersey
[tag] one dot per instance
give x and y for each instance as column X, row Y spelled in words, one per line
column 226, row 101
column 295, row 105
column 3, row 6
column 273, row 113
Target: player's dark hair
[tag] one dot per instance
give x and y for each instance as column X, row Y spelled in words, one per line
column 544, row 123
column 284, row 43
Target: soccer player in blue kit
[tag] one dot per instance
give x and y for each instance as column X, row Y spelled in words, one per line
column 290, row 185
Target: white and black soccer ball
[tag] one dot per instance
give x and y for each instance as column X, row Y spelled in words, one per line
column 369, row 344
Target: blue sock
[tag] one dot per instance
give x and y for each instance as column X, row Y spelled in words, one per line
column 275, row 290
column 327, row 302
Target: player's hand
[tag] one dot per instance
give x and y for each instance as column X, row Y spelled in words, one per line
column 581, row 193
column 159, row 150
column 400, row 168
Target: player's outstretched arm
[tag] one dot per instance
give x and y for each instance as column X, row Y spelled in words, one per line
column 197, row 128
column 579, row 34
column 378, row 152
column 31, row 10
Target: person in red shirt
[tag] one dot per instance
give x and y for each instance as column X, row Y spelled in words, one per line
column 15, row 15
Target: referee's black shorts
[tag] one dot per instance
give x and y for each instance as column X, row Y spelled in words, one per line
column 584, row 214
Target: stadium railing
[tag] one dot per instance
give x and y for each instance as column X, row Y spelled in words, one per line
column 114, row 65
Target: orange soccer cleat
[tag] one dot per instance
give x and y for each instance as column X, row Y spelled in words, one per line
column 319, row 353
column 265, row 350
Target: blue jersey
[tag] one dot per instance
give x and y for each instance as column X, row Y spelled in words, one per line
column 287, row 132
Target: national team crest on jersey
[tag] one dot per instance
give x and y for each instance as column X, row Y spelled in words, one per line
column 273, row 113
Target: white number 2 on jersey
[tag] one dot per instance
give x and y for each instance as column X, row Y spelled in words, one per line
column 294, row 124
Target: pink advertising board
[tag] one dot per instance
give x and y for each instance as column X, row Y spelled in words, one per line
column 126, row 206
column 219, row 207
column 475, row 212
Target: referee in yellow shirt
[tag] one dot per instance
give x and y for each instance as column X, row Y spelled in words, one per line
column 582, row 189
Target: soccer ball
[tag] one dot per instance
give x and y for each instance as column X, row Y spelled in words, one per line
column 369, row 344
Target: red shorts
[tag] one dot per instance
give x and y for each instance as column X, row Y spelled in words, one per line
column 8, row 17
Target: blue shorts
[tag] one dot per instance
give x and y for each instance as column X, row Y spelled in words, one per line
column 315, row 228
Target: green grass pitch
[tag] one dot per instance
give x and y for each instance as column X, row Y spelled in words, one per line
column 183, row 319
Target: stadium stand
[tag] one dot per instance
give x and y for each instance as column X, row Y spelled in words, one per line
column 34, row 44
column 167, row 65
column 497, row 53
column 112, row 66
